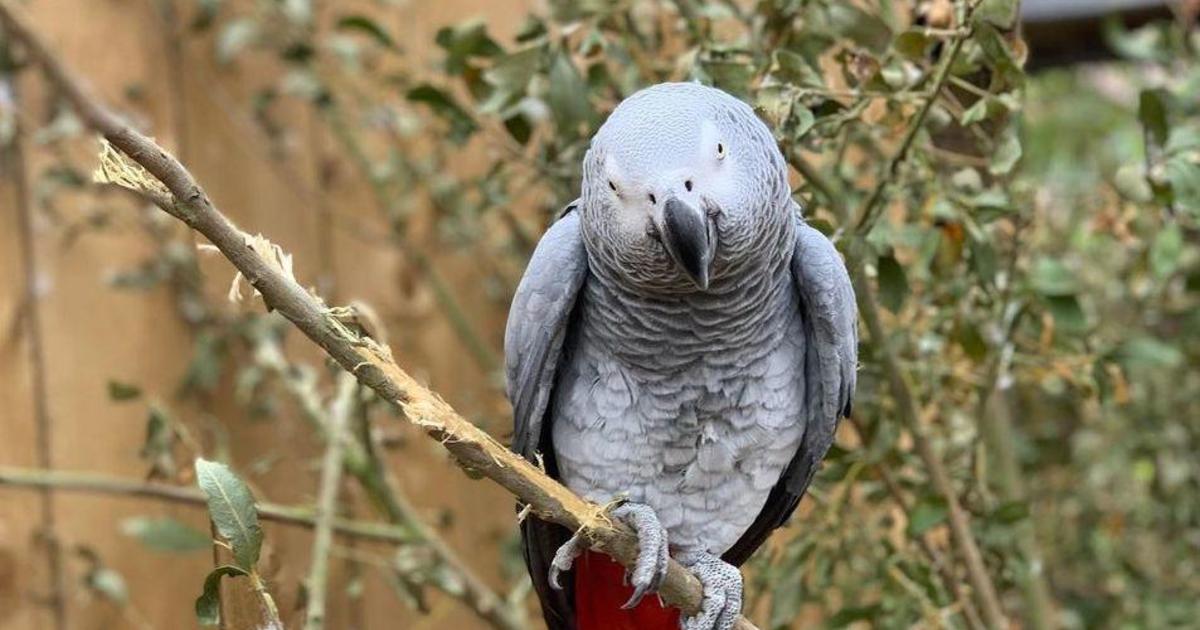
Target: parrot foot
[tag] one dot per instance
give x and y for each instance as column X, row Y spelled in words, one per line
column 653, row 556
column 722, row 592
column 652, row 560
column 564, row 558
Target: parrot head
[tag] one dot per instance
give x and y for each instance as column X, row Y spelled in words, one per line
column 681, row 186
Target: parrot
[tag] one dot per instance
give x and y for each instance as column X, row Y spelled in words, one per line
column 680, row 349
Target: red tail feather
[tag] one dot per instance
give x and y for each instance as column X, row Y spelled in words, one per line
column 600, row 590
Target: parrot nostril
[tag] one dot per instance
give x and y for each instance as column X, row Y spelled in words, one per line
column 688, row 185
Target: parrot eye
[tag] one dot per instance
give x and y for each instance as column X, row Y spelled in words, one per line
column 652, row 199
column 688, row 185
column 720, row 151
column 612, row 186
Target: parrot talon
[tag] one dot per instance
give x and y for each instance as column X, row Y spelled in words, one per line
column 722, row 592
column 564, row 559
column 651, row 569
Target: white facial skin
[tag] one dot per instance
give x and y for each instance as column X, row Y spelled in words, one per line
column 708, row 172
column 698, row 152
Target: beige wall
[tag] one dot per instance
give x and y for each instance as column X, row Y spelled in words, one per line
column 92, row 333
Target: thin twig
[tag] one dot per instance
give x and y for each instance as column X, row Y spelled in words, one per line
column 960, row 528
column 273, row 512
column 962, row 536
column 949, row 579
column 362, row 462
column 473, row 449
column 13, row 160
column 874, row 202
column 331, row 481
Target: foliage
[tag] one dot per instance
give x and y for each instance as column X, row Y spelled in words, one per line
column 1033, row 242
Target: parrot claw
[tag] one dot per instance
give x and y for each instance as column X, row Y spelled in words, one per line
column 722, row 592
column 564, row 559
column 652, row 560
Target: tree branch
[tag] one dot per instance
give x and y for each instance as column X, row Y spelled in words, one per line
column 371, row 364
column 874, row 202
column 960, row 527
column 361, row 461
column 274, row 512
column 12, row 158
column 331, row 481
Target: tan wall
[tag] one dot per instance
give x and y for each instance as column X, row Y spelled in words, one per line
column 92, row 333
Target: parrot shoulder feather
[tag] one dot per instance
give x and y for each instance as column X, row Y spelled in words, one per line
column 538, row 323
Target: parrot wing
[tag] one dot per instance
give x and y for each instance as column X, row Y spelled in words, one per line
column 539, row 323
column 830, row 318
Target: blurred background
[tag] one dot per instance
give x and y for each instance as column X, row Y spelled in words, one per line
column 1021, row 201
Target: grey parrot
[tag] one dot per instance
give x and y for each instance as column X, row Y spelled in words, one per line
column 683, row 345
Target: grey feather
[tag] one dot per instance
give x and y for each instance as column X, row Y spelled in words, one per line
column 539, row 322
column 830, row 373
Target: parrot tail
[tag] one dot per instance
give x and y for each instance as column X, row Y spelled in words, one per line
column 600, row 591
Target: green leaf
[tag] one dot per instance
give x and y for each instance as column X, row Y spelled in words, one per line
column 231, row 506
column 979, row 111
column 851, row 22
column 1184, row 175
column 1130, row 181
column 465, row 41
column 519, row 127
column 369, row 27
column 513, row 71
column 567, row 96
column 208, row 605
column 121, row 392
column 893, row 283
column 1144, row 43
column 510, row 76
column 165, row 534
column 795, row 69
column 1007, row 153
column 1152, row 113
column 1145, row 351
column 1166, row 251
column 1011, row 512
column 969, row 338
column 913, row 43
column 848, row 615
column 926, row 514
column 999, row 13
column 1052, row 278
column 444, row 106
column 1068, row 313
column 531, row 29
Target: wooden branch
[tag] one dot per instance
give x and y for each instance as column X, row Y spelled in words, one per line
column 12, row 159
column 274, row 512
column 475, row 450
column 331, row 485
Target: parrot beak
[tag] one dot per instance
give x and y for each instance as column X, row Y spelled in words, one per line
column 689, row 239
